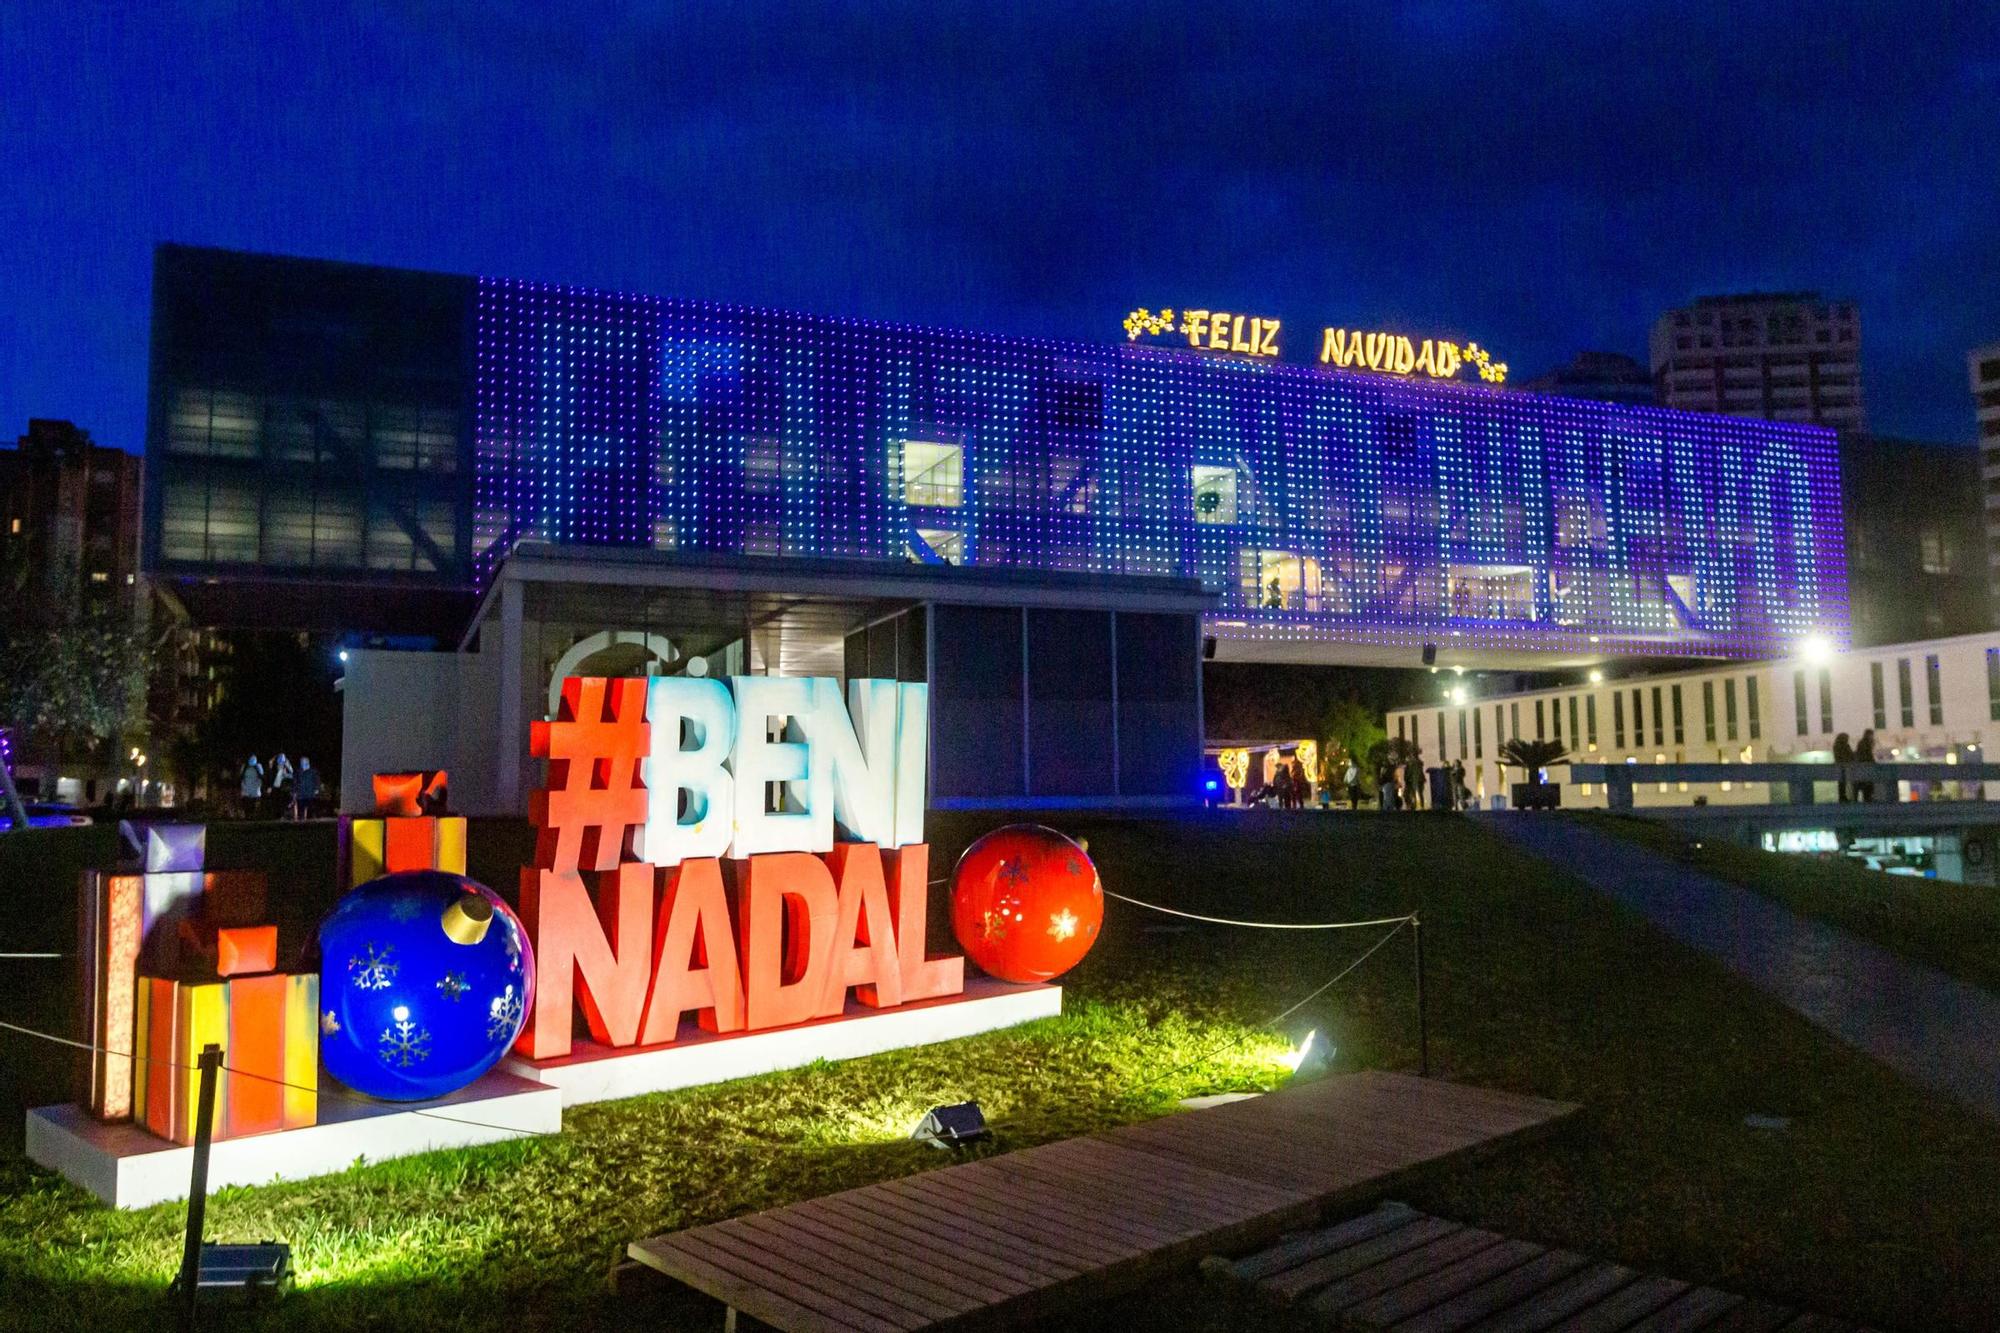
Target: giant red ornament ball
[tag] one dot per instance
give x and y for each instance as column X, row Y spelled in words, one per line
column 1025, row 903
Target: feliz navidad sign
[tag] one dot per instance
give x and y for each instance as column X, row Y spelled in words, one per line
column 1350, row 349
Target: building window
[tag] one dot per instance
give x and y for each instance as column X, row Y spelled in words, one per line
column 1574, row 734
column 1514, row 720
column 1214, row 494
column 1440, row 718
column 1541, row 731
column 1590, row 716
column 1556, row 721
column 1659, row 719
column 933, row 474
column 1729, row 708
column 13, row 525
column 1638, row 716
column 99, row 576
column 1934, row 687
column 1679, row 730
column 1993, row 684
column 945, row 544
column 1708, row 708
column 1462, row 751
column 1617, row 720
column 1826, row 699
column 1875, row 694
column 1750, row 707
column 1904, row 699
column 1499, row 726
column 1479, row 741
column 1399, row 730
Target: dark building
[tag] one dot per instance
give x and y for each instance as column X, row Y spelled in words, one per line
column 1605, row 377
column 308, row 429
column 69, row 511
column 1915, row 534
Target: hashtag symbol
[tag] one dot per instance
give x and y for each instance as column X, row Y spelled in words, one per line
column 594, row 797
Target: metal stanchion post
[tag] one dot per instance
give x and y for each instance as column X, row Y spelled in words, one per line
column 1423, row 1019
column 210, row 1063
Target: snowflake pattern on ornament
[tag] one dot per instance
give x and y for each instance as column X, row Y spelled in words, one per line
column 403, row 1043
column 1014, row 872
column 1062, row 924
column 452, row 985
column 503, row 1015
column 371, row 969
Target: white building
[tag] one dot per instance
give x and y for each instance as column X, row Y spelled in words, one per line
column 1936, row 699
column 1783, row 356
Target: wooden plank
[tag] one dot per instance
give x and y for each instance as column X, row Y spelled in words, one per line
column 771, row 1301
column 866, row 1273
column 1137, row 1180
column 1499, row 1293
column 997, row 1257
column 1378, row 1278
column 1312, row 1244
column 1696, row 1309
column 750, row 1258
column 1296, row 1281
column 1753, row 1316
column 1573, row 1293
column 1066, row 1250
column 923, row 1262
column 1624, row 1306
column 1441, row 1284
column 1062, row 1209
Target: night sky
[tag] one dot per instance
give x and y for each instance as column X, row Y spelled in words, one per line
column 1541, row 180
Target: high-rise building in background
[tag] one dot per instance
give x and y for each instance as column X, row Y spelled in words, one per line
column 1916, row 545
column 1604, row 377
column 1984, row 367
column 69, row 511
column 1783, row 356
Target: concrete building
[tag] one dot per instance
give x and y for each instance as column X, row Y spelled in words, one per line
column 1604, row 377
column 1934, row 699
column 1783, row 356
column 69, row 510
column 1983, row 366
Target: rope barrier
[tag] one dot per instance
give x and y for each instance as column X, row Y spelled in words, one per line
column 35, row 955
column 266, row 1078
column 1262, row 925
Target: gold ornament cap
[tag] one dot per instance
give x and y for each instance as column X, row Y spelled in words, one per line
column 467, row 920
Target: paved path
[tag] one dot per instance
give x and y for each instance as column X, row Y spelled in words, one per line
column 1919, row 1021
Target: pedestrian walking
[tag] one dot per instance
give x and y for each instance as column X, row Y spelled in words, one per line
column 305, row 790
column 1843, row 755
column 1864, row 753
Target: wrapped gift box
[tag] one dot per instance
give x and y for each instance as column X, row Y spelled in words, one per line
column 266, row 1026
column 383, row 846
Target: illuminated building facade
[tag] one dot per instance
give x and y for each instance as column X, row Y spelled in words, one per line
column 407, row 431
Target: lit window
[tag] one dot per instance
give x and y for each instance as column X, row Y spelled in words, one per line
column 13, row 525
column 946, row 545
column 933, row 474
column 99, row 576
column 1214, row 494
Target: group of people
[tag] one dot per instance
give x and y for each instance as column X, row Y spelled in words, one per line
column 1290, row 785
column 1861, row 752
column 279, row 788
column 1402, row 787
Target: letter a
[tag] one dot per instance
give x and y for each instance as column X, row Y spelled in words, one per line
column 695, row 967
column 864, row 938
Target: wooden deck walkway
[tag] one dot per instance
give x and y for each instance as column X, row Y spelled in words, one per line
column 1396, row 1268
column 1028, row 1233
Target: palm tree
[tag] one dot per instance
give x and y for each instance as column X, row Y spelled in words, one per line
column 1531, row 757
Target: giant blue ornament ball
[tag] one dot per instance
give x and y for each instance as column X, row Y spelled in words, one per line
column 426, row 978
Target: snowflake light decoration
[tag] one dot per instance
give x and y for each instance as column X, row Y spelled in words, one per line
column 403, row 1043
column 503, row 1015
column 371, row 969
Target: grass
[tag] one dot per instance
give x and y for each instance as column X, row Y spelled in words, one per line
column 1879, row 1201
column 1952, row 927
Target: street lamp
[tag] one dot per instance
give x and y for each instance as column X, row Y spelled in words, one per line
column 1816, row 649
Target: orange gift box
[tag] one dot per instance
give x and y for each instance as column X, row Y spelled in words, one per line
column 418, row 842
column 266, row 1027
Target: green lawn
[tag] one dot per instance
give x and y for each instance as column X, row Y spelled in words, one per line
column 1879, row 1201
column 1953, row 927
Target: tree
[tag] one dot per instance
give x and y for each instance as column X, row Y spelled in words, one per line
column 1349, row 731
column 1531, row 757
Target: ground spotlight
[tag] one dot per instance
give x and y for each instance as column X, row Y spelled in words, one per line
column 952, row 1126
column 1312, row 1057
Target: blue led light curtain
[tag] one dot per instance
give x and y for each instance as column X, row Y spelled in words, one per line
column 1318, row 504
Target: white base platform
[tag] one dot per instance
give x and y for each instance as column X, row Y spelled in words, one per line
column 593, row 1073
column 128, row 1167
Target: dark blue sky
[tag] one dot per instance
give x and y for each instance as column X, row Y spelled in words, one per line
column 1540, row 179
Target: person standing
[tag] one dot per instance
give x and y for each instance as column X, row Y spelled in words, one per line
column 1283, row 782
column 305, row 790
column 1459, row 791
column 1843, row 755
column 1301, row 785
column 1864, row 753
column 1353, row 781
column 251, row 786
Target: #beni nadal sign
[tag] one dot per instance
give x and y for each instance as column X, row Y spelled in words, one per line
column 757, row 853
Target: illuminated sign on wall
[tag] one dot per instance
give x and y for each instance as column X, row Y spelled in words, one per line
column 1209, row 330
column 1394, row 354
